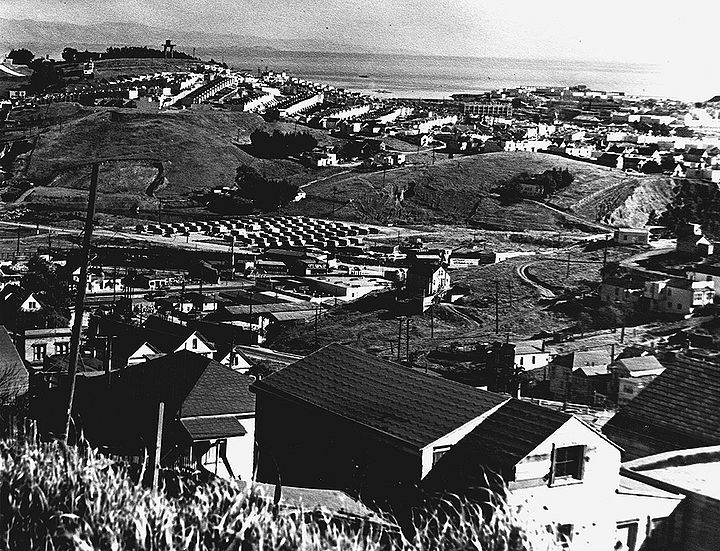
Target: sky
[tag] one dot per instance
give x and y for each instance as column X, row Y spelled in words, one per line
column 657, row 31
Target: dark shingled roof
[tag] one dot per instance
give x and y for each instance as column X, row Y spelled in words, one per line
column 513, row 431
column 205, row 428
column 191, row 384
column 683, row 402
column 405, row 404
column 13, row 375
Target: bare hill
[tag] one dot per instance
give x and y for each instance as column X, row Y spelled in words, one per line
column 458, row 191
column 196, row 150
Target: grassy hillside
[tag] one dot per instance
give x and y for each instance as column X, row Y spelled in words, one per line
column 457, row 191
column 195, row 149
column 60, row 498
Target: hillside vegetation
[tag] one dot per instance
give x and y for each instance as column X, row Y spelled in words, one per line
column 53, row 497
column 459, row 191
column 196, row 150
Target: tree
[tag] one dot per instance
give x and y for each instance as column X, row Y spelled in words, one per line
column 69, row 54
column 21, row 56
column 44, row 75
column 584, row 323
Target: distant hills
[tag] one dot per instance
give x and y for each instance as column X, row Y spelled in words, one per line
column 56, row 35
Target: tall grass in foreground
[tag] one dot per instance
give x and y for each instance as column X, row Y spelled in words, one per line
column 55, row 498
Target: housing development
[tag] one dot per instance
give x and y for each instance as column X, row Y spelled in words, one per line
column 359, row 304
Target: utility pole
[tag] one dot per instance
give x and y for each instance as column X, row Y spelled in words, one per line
column 497, row 306
column 604, row 259
column 159, row 210
column 17, row 249
column 407, row 340
column 567, row 273
column 158, row 445
column 232, row 258
column 399, row 339
column 510, row 293
column 432, row 323
column 49, row 241
column 80, row 299
column 317, row 313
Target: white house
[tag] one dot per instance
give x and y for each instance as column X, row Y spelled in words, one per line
column 632, row 236
column 679, row 296
column 531, row 355
column 706, row 272
column 631, row 375
column 551, row 461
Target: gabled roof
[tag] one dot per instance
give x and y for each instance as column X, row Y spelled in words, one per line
column 588, row 358
column 593, row 370
column 13, row 375
column 191, row 385
column 683, row 402
column 641, row 365
column 512, row 432
column 407, row 405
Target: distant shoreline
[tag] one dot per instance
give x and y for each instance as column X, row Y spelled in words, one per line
column 417, row 76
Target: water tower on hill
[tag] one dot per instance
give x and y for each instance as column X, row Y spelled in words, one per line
column 168, row 47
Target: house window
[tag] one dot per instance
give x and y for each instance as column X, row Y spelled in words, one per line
column 568, row 462
column 565, row 534
column 32, row 305
column 669, row 303
column 38, row 352
column 626, row 536
column 627, row 389
column 61, row 348
column 521, row 360
column 532, row 359
column 679, row 306
column 194, row 344
column 438, row 453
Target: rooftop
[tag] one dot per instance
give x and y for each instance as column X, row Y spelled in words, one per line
column 682, row 403
column 641, row 365
column 407, row 405
column 695, row 470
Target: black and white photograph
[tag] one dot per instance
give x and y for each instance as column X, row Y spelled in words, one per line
column 359, row 275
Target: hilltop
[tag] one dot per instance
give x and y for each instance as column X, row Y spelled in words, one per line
column 459, row 191
column 192, row 151
column 177, row 156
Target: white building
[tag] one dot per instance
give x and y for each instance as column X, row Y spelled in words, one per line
column 632, row 236
column 679, row 296
column 706, row 272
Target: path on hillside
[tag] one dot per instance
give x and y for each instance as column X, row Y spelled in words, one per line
column 631, row 263
column 589, row 198
column 572, row 217
column 316, row 180
column 24, row 196
column 522, row 272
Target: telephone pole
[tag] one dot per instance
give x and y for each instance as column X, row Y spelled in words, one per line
column 407, row 340
column 80, row 299
column 399, row 339
column 497, row 306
